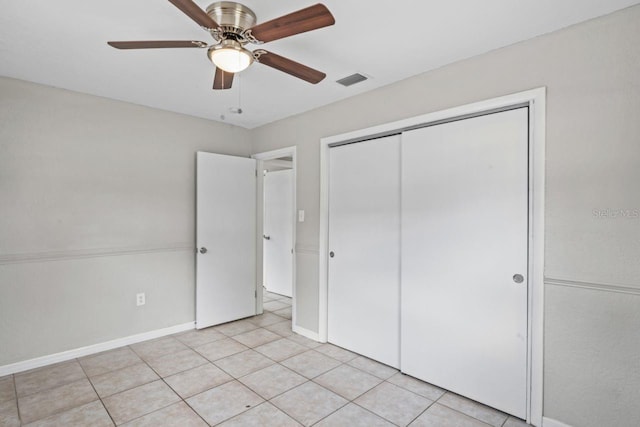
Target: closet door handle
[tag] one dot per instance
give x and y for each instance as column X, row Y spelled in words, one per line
column 518, row 278
column 332, row 254
column 203, row 250
column 266, row 237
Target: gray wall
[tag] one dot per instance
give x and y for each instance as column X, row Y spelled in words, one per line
column 592, row 75
column 97, row 203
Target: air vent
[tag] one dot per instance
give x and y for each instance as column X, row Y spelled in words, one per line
column 352, row 79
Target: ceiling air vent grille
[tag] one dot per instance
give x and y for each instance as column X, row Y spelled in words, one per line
column 352, row 79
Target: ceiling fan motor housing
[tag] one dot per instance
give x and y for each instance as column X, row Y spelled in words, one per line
column 232, row 17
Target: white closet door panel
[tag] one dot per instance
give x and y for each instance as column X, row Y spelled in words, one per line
column 364, row 220
column 226, row 227
column 278, row 232
column 464, row 236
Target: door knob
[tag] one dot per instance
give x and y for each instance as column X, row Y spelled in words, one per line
column 203, row 250
column 265, row 237
column 518, row 278
column 332, row 254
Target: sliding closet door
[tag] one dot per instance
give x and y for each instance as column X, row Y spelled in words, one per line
column 464, row 257
column 364, row 244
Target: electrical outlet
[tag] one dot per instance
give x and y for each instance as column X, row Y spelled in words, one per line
column 140, row 299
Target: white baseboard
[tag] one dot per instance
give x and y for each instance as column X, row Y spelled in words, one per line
column 306, row 333
column 91, row 349
column 550, row 422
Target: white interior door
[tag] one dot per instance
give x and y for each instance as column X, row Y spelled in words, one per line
column 364, row 233
column 464, row 237
column 278, row 232
column 226, row 227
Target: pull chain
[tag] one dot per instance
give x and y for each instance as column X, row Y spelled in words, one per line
column 238, row 109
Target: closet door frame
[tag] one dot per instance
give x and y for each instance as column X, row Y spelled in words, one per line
column 536, row 101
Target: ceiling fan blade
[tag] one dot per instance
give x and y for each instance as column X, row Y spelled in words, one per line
column 192, row 10
column 156, row 44
column 291, row 67
column 310, row 18
column 222, row 79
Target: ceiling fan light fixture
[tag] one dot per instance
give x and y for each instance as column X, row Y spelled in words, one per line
column 230, row 56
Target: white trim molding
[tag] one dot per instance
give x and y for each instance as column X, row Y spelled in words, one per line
column 92, row 349
column 550, row 422
column 275, row 154
column 535, row 100
column 603, row 287
column 92, row 253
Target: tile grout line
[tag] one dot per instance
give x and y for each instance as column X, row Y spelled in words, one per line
column 38, row 369
column 319, row 385
column 15, row 393
column 377, row 415
column 470, row 416
column 254, row 391
column 410, row 391
column 341, row 363
column 433, row 402
column 143, row 361
column 171, row 388
column 413, row 392
column 185, row 400
column 265, row 400
column 361, row 394
column 162, row 379
column 307, row 380
column 95, row 391
column 49, row 389
column 159, row 378
column 233, row 378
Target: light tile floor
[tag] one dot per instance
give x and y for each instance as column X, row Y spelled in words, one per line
column 252, row 372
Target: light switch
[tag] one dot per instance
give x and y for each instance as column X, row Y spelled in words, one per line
column 301, row 216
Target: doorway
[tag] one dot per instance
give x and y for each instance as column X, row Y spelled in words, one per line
column 276, row 236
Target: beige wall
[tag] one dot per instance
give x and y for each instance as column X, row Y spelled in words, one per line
column 97, row 203
column 592, row 75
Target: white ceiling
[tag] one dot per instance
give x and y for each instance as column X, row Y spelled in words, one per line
column 62, row 43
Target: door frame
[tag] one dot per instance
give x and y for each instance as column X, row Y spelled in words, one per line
column 261, row 158
column 535, row 99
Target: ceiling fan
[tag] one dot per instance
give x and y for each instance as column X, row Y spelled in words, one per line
column 232, row 25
